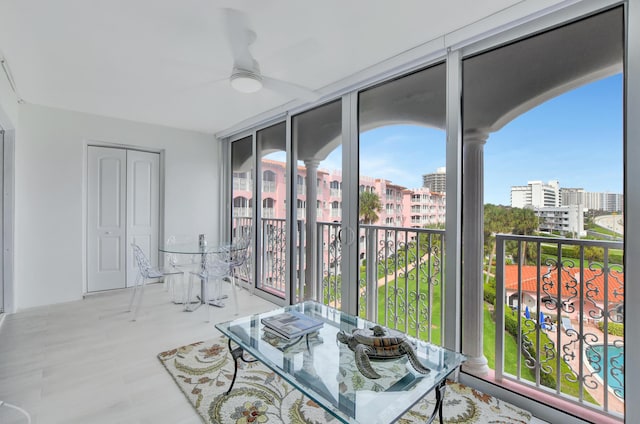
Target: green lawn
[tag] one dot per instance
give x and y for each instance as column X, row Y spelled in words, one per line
column 397, row 310
column 510, row 348
column 598, row 229
column 510, row 343
column 393, row 315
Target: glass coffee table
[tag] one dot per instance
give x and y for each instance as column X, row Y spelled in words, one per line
column 325, row 370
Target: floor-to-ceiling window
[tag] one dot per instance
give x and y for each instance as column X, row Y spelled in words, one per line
column 401, row 208
column 543, row 141
column 271, row 228
column 242, row 187
column 2, row 282
column 541, row 203
column 317, row 143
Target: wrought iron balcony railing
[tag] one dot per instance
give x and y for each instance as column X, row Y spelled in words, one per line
column 400, row 269
column 400, row 276
column 562, row 302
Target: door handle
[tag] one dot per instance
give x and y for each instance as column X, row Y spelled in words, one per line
column 350, row 235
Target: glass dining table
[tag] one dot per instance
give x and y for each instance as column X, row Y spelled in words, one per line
column 194, row 248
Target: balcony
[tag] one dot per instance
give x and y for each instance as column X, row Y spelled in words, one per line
column 268, row 186
column 242, row 184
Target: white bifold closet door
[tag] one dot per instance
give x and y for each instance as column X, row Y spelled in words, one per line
column 123, row 208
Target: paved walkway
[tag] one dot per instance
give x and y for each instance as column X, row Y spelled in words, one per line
column 615, row 404
column 614, row 223
column 390, row 277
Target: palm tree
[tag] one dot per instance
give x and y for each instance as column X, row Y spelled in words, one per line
column 525, row 223
column 369, row 206
column 496, row 220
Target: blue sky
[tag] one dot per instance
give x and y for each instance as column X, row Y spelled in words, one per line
column 575, row 138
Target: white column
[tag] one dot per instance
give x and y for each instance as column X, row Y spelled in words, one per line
column 311, row 221
column 472, row 251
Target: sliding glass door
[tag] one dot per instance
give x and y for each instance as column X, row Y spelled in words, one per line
column 2, row 290
column 242, row 188
column 271, row 228
column 544, row 160
column 401, row 200
column 318, row 181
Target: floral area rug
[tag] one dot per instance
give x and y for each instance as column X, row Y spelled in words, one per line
column 203, row 371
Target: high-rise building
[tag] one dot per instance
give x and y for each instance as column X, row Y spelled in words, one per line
column 436, row 182
column 565, row 220
column 536, row 194
column 573, row 196
column 608, row 202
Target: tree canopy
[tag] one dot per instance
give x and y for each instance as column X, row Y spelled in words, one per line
column 369, row 206
column 508, row 220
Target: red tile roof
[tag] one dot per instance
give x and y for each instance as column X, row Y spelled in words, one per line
column 570, row 280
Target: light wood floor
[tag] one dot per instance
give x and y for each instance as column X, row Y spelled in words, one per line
column 85, row 362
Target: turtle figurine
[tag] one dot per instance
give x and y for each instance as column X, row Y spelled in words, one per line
column 379, row 343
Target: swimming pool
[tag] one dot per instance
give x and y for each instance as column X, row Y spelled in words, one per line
column 595, row 356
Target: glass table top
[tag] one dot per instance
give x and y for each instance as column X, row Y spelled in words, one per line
column 325, row 370
column 194, row 248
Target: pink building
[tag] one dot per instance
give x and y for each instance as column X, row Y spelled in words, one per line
column 401, row 207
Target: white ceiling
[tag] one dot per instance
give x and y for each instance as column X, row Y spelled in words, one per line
column 166, row 62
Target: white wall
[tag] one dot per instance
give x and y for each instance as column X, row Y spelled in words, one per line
column 50, row 164
column 8, row 104
column 8, row 121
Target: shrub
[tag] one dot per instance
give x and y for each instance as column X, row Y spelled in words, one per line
column 511, row 322
column 511, row 325
column 613, row 328
column 490, row 294
column 548, row 380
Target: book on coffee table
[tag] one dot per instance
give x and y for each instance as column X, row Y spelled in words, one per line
column 297, row 344
column 291, row 324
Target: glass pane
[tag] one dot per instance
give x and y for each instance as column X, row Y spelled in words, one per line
column 550, row 110
column 272, row 151
column 317, row 137
column 2, row 306
column 402, row 203
column 242, row 194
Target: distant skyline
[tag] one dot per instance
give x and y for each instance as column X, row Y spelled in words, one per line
column 575, row 138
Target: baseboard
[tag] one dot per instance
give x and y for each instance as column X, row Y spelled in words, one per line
column 535, row 420
column 539, row 407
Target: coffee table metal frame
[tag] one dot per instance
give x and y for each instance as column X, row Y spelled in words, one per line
column 400, row 393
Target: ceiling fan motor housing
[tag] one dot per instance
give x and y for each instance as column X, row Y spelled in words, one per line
column 246, row 81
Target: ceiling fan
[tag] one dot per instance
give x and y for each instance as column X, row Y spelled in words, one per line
column 246, row 76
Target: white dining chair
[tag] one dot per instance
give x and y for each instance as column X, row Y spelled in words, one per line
column 145, row 273
column 215, row 268
column 177, row 284
column 240, row 255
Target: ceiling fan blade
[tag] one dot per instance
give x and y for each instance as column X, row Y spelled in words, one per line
column 240, row 37
column 290, row 89
column 203, row 84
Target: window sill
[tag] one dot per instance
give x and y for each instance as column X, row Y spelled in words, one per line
column 542, row 405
